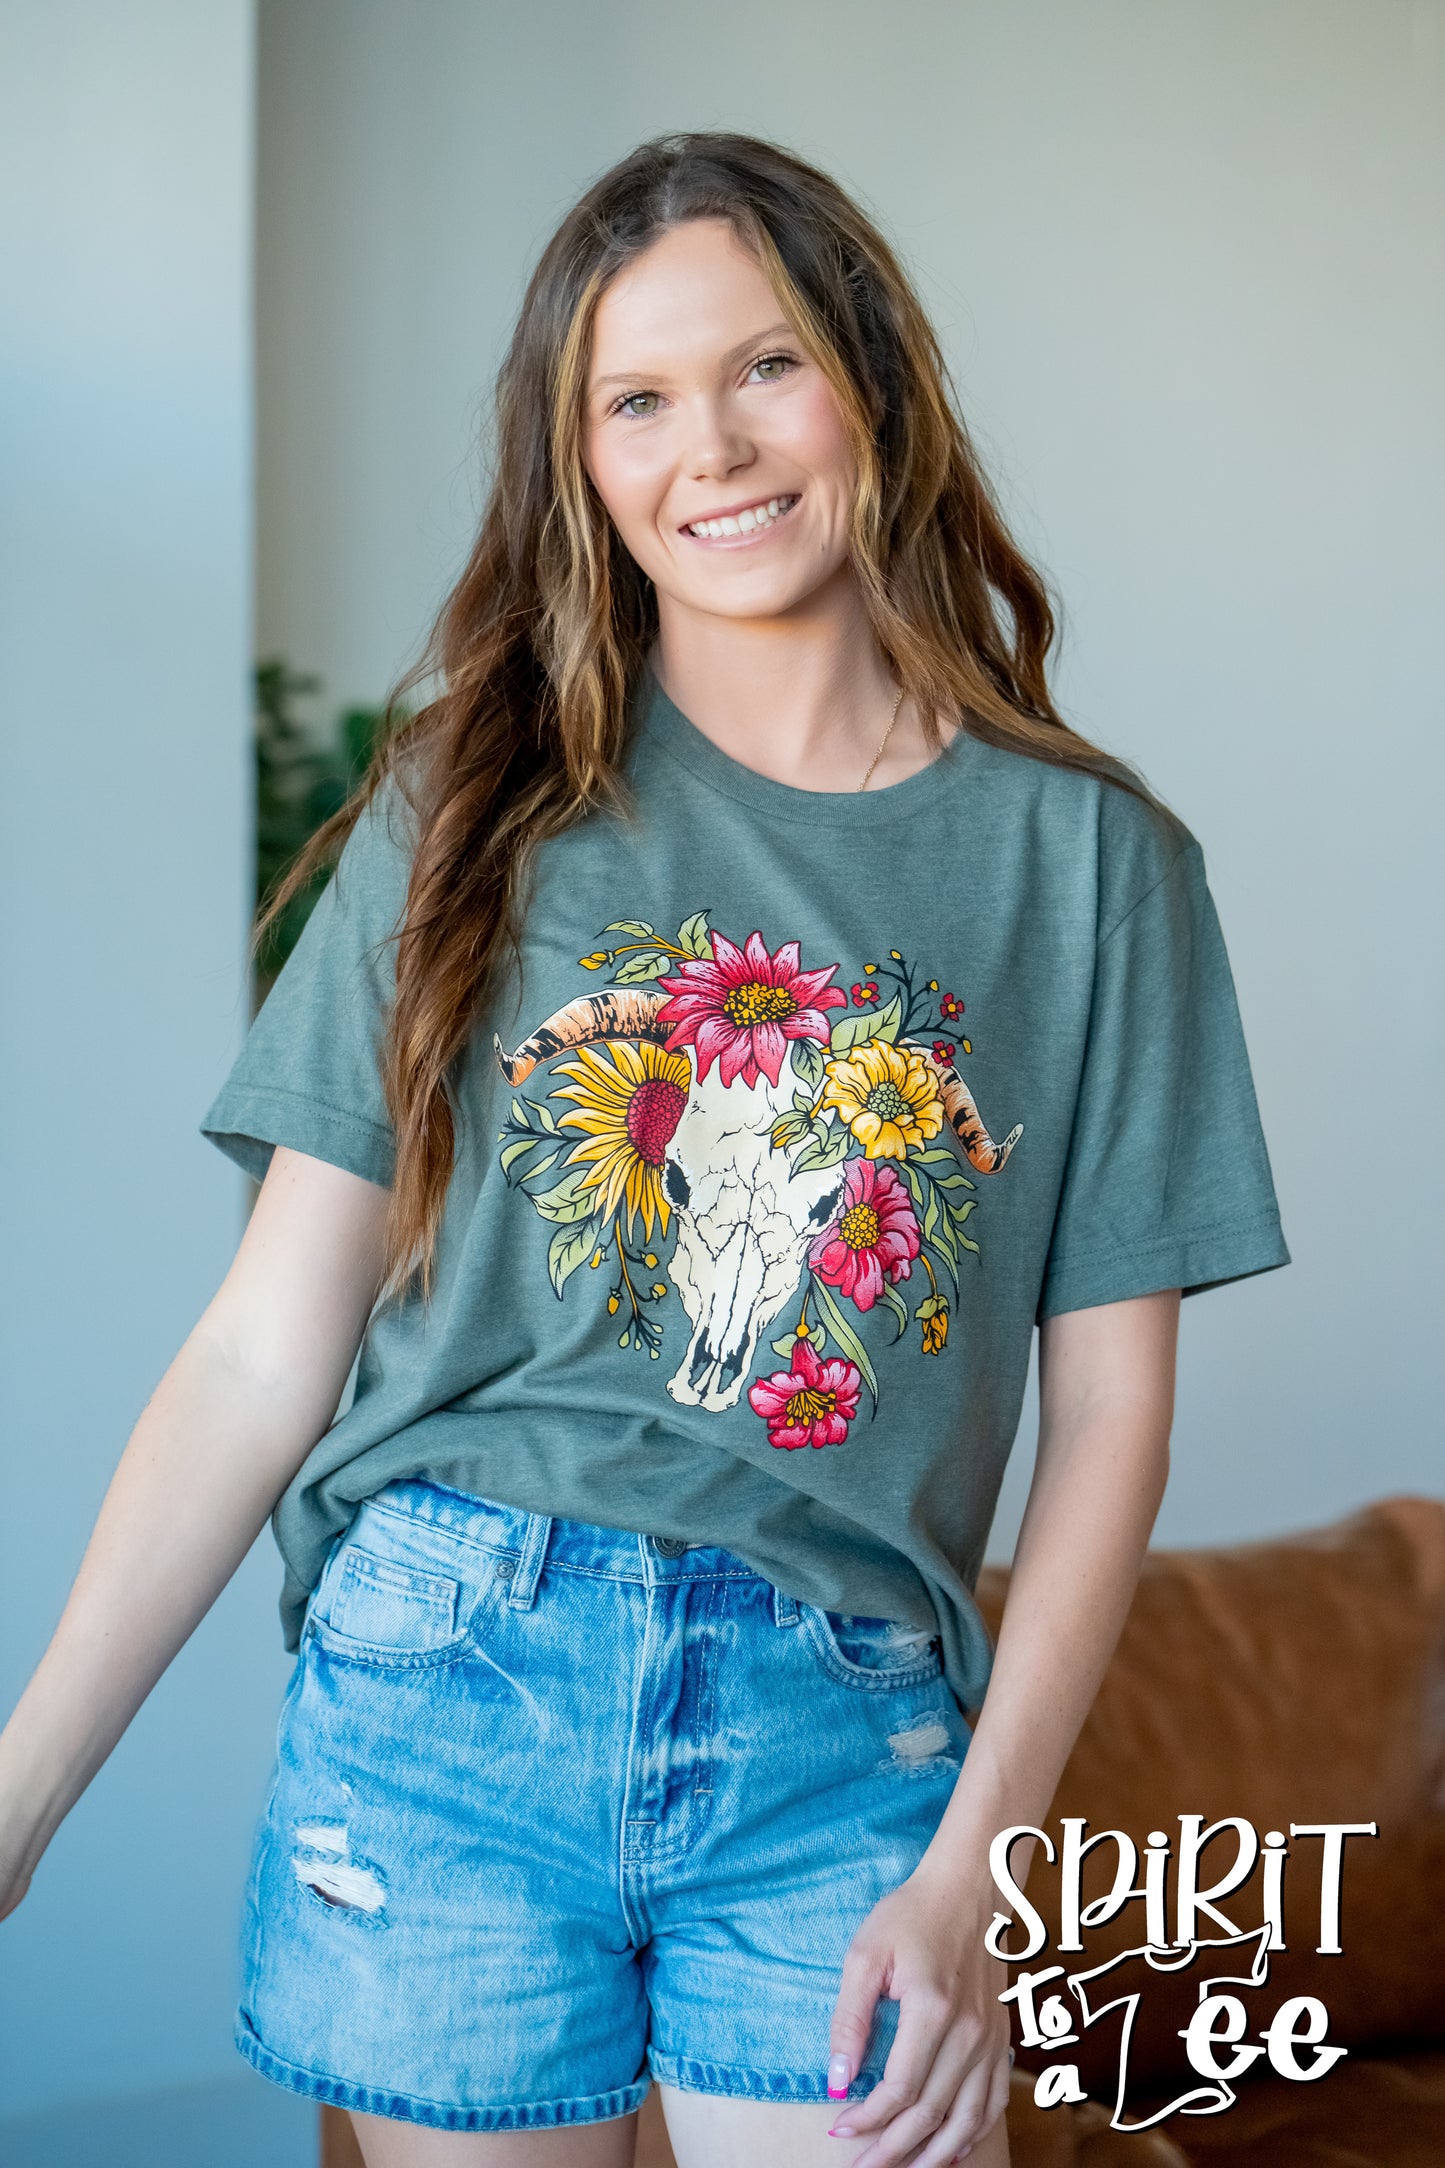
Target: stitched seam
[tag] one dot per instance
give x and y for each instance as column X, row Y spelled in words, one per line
column 1176, row 860
column 336, row 1116
column 1162, row 1242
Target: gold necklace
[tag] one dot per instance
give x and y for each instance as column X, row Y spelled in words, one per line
column 883, row 740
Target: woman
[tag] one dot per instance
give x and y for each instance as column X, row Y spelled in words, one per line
column 743, row 1009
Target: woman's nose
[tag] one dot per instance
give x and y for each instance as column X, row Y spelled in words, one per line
column 717, row 444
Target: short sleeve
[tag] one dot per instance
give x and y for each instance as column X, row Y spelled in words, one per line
column 308, row 1075
column 1167, row 1179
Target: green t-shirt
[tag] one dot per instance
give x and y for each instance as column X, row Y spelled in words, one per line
column 804, row 1108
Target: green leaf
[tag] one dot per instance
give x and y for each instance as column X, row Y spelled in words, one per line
column 851, row 1031
column 895, row 1303
column 635, row 926
column 846, row 1339
column 570, row 1200
column 569, row 1248
column 825, row 1149
column 888, row 1021
column 808, row 1063
column 518, row 1150
column 646, row 964
column 692, row 935
column 787, row 1130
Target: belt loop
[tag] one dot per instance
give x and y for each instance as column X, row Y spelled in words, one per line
column 785, row 1609
column 529, row 1566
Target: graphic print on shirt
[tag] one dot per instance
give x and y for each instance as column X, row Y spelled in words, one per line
column 801, row 1163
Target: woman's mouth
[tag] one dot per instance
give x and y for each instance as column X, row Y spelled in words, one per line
column 746, row 524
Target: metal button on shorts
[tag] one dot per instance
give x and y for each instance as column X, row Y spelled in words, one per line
column 670, row 1546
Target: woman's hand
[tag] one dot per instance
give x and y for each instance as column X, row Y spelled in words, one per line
column 946, row 2080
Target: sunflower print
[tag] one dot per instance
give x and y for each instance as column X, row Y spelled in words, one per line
column 629, row 1097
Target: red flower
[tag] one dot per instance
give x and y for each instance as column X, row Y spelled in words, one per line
column 811, row 1404
column 942, row 1051
column 951, row 1007
column 862, row 995
column 743, row 1007
column 874, row 1236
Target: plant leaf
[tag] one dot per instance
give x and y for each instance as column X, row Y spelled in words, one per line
column 692, row 935
column 846, row 1339
column 824, row 1149
column 808, row 1062
column 569, row 1248
column 635, row 926
column 898, row 1307
column 570, row 1200
column 646, row 964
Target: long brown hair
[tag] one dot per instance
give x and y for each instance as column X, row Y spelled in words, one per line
column 539, row 646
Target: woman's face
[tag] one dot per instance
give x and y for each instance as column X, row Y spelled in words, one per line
column 703, row 406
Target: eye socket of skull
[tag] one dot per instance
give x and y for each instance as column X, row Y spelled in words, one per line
column 679, row 1189
column 827, row 1204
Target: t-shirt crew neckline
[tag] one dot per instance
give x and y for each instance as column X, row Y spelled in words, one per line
column 662, row 724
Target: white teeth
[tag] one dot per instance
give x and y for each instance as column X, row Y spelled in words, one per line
column 756, row 515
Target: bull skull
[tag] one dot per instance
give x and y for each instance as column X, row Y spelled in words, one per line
column 744, row 1219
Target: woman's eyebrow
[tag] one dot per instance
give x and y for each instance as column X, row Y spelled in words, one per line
column 734, row 353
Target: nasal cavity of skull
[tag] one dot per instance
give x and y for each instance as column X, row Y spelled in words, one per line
column 322, row 1865
column 677, row 1183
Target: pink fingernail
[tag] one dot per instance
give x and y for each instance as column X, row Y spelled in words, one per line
column 844, row 2130
column 838, row 2078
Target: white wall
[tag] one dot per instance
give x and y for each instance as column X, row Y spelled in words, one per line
column 125, row 643
column 1185, row 261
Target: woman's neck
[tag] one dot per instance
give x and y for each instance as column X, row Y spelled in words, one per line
column 804, row 699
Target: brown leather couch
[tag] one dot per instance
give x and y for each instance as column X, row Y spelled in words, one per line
column 1296, row 1680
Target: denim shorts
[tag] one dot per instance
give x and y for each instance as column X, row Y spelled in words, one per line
column 558, row 1809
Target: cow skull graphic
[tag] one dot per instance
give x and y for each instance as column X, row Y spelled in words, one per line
column 744, row 1218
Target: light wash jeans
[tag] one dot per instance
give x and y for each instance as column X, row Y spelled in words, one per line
column 559, row 1808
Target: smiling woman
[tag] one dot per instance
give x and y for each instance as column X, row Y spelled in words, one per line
column 616, row 1107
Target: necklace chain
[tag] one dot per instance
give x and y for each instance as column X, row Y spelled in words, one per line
column 883, row 741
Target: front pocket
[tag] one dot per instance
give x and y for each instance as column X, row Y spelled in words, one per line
column 382, row 1611
column 877, row 1654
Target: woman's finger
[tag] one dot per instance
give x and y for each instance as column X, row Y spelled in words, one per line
column 979, row 2101
column 859, row 1987
column 924, row 2019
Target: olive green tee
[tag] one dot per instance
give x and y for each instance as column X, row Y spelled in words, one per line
column 804, row 1109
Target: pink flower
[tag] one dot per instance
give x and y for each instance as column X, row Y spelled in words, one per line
column 873, row 1237
column 743, row 1007
column 811, row 1404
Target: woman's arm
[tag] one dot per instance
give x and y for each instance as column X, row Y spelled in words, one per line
column 253, row 1388
column 1106, row 1407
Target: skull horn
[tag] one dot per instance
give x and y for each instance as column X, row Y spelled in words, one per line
column 620, row 1013
column 965, row 1120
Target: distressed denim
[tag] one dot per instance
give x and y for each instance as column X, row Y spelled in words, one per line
column 558, row 1809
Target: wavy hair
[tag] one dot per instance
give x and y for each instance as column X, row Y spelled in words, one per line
column 540, row 645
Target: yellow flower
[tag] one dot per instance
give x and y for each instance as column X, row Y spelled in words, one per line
column 629, row 1101
column 888, row 1096
column 935, row 1331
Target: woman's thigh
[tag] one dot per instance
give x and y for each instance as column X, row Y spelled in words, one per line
column 707, row 2132
column 385, row 2143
